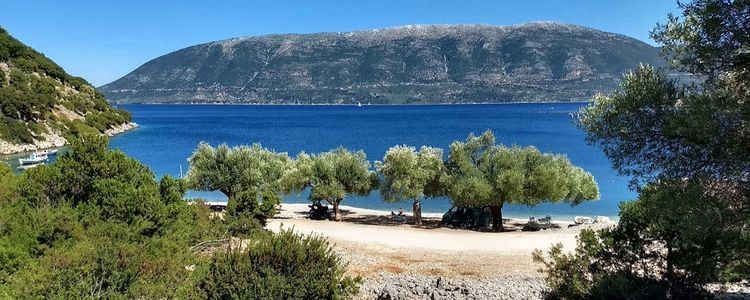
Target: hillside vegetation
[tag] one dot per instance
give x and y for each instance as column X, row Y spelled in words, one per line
column 41, row 101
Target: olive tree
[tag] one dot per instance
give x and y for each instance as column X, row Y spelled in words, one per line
column 237, row 169
column 332, row 175
column 408, row 174
column 482, row 173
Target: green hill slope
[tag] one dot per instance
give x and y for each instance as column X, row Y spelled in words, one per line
column 42, row 105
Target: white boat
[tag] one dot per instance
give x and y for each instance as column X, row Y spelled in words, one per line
column 26, row 167
column 48, row 152
column 359, row 104
column 34, row 158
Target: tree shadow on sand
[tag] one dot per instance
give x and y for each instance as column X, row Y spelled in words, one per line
column 348, row 216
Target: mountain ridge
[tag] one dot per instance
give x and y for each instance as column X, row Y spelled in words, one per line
column 465, row 63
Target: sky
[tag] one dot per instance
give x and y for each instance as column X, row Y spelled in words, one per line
column 104, row 40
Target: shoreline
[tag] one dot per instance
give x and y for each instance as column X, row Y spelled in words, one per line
column 55, row 140
column 566, row 219
column 350, row 104
column 299, row 211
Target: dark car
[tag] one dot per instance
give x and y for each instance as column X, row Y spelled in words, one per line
column 319, row 212
column 467, row 217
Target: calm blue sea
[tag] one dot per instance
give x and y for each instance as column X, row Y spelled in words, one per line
column 169, row 133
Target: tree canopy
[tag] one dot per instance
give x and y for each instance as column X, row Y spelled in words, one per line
column 96, row 224
column 408, row 174
column 333, row 175
column 712, row 37
column 237, row 169
column 482, row 173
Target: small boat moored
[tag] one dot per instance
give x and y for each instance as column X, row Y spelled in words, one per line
column 26, row 167
column 48, row 152
column 34, row 158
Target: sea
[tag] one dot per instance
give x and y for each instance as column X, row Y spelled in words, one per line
column 168, row 134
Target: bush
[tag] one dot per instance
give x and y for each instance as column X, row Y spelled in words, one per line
column 7, row 180
column 629, row 261
column 584, row 274
column 78, row 128
column 246, row 214
column 95, row 224
column 15, row 131
column 280, row 266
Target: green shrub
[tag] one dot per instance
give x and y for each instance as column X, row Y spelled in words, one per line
column 95, row 224
column 15, row 131
column 78, row 128
column 280, row 266
column 629, row 261
column 171, row 189
column 7, row 181
column 248, row 211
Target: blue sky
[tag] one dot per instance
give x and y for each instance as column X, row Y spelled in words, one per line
column 104, row 40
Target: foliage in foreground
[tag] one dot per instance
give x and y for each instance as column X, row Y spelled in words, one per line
column 247, row 214
column 635, row 260
column 95, row 224
column 279, row 266
column 686, row 149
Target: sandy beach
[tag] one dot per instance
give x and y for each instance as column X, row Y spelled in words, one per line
column 383, row 250
column 362, row 226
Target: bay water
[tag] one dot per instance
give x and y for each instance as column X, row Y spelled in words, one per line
column 168, row 134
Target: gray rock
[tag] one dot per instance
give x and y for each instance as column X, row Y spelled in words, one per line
column 404, row 286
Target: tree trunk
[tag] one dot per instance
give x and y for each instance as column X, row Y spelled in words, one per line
column 336, row 215
column 497, row 218
column 417, row 212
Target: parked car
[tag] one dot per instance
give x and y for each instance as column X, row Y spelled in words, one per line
column 319, row 212
column 467, row 217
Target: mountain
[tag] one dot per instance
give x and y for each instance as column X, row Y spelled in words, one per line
column 43, row 106
column 533, row 62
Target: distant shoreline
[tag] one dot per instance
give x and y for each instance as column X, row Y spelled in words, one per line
column 350, row 104
column 56, row 140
